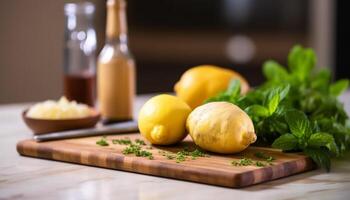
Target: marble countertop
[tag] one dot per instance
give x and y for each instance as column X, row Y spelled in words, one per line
column 29, row 178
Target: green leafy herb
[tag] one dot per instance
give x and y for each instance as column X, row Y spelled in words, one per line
column 137, row 150
column 301, row 61
column 339, row 87
column 180, row 157
column 274, row 71
column 102, row 142
column 242, row 162
column 320, row 156
column 286, row 142
column 257, row 111
column 122, row 141
column 297, row 109
column 247, row 161
column 140, row 142
column 260, row 164
column 183, row 154
column 197, row 153
column 132, row 148
column 168, row 155
column 262, row 155
column 272, row 101
column 318, row 140
column 231, row 94
column 268, row 159
column 298, row 123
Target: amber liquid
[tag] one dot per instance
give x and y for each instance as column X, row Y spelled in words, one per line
column 116, row 89
column 116, row 68
column 80, row 88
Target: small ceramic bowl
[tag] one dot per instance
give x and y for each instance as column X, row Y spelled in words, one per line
column 40, row 126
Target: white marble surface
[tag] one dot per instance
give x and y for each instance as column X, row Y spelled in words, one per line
column 29, row 178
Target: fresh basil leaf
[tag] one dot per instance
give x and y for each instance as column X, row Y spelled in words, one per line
column 320, row 156
column 323, row 139
column 315, row 127
column 283, row 91
column 257, row 111
column 338, row 87
column 320, row 139
column 231, row 95
column 234, row 88
column 219, row 97
column 333, row 147
column 286, row 142
column 310, row 102
column 272, row 99
column 298, row 123
column 273, row 102
column 277, row 124
column 321, row 80
column 274, row 71
column 301, row 61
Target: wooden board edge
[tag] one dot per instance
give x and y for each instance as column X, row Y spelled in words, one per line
column 289, row 168
column 161, row 169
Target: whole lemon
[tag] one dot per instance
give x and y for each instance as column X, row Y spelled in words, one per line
column 162, row 119
column 221, row 127
column 202, row 82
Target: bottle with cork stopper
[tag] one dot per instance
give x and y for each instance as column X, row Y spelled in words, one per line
column 116, row 68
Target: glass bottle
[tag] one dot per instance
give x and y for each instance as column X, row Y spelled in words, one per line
column 116, row 68
column 79, row 53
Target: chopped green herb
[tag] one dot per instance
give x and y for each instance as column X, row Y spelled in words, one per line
column 168, row 155
column 270, row 159
column 262, row 155
column 132, row 148
column 197, row 153
column 180, row 157
column 122, row 141
column 136, row 149
column 242, row 162
column 140, row 142
column 102, row 142
column 260, row 164
column 247, row 162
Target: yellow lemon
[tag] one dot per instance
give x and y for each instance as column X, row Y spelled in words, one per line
column 221, row 127
column 162, row 119
column 199, row 83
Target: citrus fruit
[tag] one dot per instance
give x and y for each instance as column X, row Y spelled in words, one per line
column 202, row 82
column 162, row 119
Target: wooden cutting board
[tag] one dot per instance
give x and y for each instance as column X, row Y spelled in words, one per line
column 215, row 169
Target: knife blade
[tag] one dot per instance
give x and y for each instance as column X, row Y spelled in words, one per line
column 122, row 127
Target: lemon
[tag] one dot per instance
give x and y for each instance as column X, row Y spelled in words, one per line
column 162, row 119
column 221, row 127
column 199, row 83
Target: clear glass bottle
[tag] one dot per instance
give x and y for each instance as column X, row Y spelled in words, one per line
column 80, row 53
column 116, row 68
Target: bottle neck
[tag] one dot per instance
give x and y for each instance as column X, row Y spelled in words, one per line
column 116, row 27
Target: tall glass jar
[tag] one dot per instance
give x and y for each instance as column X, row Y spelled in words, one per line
column 79, row 53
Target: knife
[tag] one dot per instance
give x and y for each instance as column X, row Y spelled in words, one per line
column 122, row 127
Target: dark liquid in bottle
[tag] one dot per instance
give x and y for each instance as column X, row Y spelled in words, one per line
column 80, row 88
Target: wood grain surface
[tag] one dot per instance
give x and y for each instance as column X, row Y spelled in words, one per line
column 216, row 169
